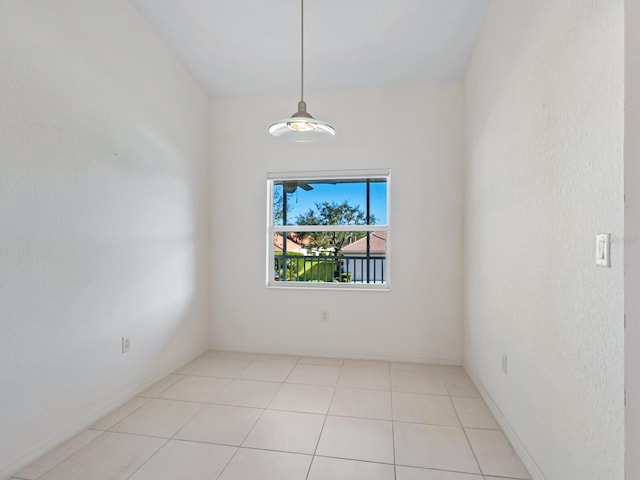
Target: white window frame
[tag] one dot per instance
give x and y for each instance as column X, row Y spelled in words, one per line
column 273, row 177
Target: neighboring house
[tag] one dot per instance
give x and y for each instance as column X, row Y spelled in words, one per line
column 356, row 262
column 304, row 242
column 292, row 247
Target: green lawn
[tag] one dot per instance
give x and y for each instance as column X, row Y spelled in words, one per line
column 320, row 269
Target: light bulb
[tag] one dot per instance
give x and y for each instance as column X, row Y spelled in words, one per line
column 301, row 126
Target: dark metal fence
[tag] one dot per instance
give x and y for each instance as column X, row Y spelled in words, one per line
column 329, row 268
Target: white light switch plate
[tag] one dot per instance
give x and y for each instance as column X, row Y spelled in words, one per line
column 603, row 250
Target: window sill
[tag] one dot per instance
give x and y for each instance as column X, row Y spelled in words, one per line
column 330, row 286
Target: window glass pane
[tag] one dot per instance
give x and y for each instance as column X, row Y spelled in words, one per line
column 336, row 257
column 278, row 205
column 330, row 202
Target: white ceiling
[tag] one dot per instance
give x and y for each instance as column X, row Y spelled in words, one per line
column 247, row 47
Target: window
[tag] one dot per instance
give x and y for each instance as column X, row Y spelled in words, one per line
column 328, row 229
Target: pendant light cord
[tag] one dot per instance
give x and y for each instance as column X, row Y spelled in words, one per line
column 302, row 50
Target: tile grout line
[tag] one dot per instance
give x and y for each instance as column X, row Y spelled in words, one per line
column 356, row 460
column 473, row 452
column 67, row 457
column 228, row 462
column 146, row 395
column 237, row 376
column 257, row 420
column 202, row 406
column 315, row 450
column 167, row 440
column 393, row 425
column 146, row 401
column 252, row 426
column 333, row 394
column 479, row 475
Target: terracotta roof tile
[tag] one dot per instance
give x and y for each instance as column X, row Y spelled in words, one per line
column 291, row 245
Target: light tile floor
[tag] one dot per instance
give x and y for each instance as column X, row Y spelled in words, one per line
column 240, row 416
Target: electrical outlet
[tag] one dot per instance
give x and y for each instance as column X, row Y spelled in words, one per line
column 126, row 344
column 505, row 360
column 324, row 317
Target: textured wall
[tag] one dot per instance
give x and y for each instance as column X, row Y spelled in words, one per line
column 103, row 151
column 417, row 133
column 544, row 174
column 632, row 236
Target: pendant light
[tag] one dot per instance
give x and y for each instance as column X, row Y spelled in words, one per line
column 301, row 127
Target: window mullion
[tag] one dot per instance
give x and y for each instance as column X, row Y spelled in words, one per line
column 329, row 228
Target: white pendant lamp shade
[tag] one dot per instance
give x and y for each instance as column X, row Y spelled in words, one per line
column 301, row 127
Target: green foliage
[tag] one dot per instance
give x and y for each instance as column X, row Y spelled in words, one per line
column 293, row 265
column 315, row 269
column 278, row 205
column 320, row 268
column 333, row 213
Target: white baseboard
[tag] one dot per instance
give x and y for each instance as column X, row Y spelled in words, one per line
column 516, row 443
column 6, row 471
column 388, row 357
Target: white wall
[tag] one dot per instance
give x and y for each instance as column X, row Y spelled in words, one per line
column 632, row 237
column 544, row 174
column 416, row 132
column 103, row 148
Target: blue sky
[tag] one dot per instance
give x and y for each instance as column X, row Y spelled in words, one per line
column 355, row 193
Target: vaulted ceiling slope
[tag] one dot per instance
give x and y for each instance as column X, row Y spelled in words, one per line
column 252, row 47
